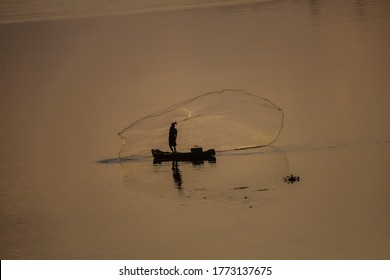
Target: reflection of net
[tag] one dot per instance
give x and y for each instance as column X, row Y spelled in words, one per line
column 221, row 120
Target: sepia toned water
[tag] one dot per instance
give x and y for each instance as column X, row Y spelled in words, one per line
column 74, row 75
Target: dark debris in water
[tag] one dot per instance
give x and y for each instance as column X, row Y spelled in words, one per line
column 291, row 179
column 241, row 188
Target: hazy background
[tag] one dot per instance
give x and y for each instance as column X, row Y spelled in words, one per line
column 70, row 80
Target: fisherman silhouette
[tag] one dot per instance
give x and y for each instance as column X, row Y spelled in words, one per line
column 172, row 137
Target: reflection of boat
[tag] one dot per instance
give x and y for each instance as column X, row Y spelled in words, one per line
column 195, row 155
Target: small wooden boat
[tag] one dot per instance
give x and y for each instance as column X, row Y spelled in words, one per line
column 196, row 154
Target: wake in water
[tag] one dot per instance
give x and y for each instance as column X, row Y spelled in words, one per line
column 223, row 120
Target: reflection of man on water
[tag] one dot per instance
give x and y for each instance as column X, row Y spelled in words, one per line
column 172, row 137
column 176, row 174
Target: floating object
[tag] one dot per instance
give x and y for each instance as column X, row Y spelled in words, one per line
column 291, row 179
column 240, row 188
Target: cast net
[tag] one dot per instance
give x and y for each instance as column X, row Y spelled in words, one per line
column 222, row 120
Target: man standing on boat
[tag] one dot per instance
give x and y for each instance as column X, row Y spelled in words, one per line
column 172, row 137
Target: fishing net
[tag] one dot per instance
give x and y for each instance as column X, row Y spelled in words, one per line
column 222, row 120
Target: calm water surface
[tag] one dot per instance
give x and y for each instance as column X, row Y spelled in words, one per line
column 69, row 85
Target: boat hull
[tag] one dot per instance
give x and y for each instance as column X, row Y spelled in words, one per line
column 190, row 156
